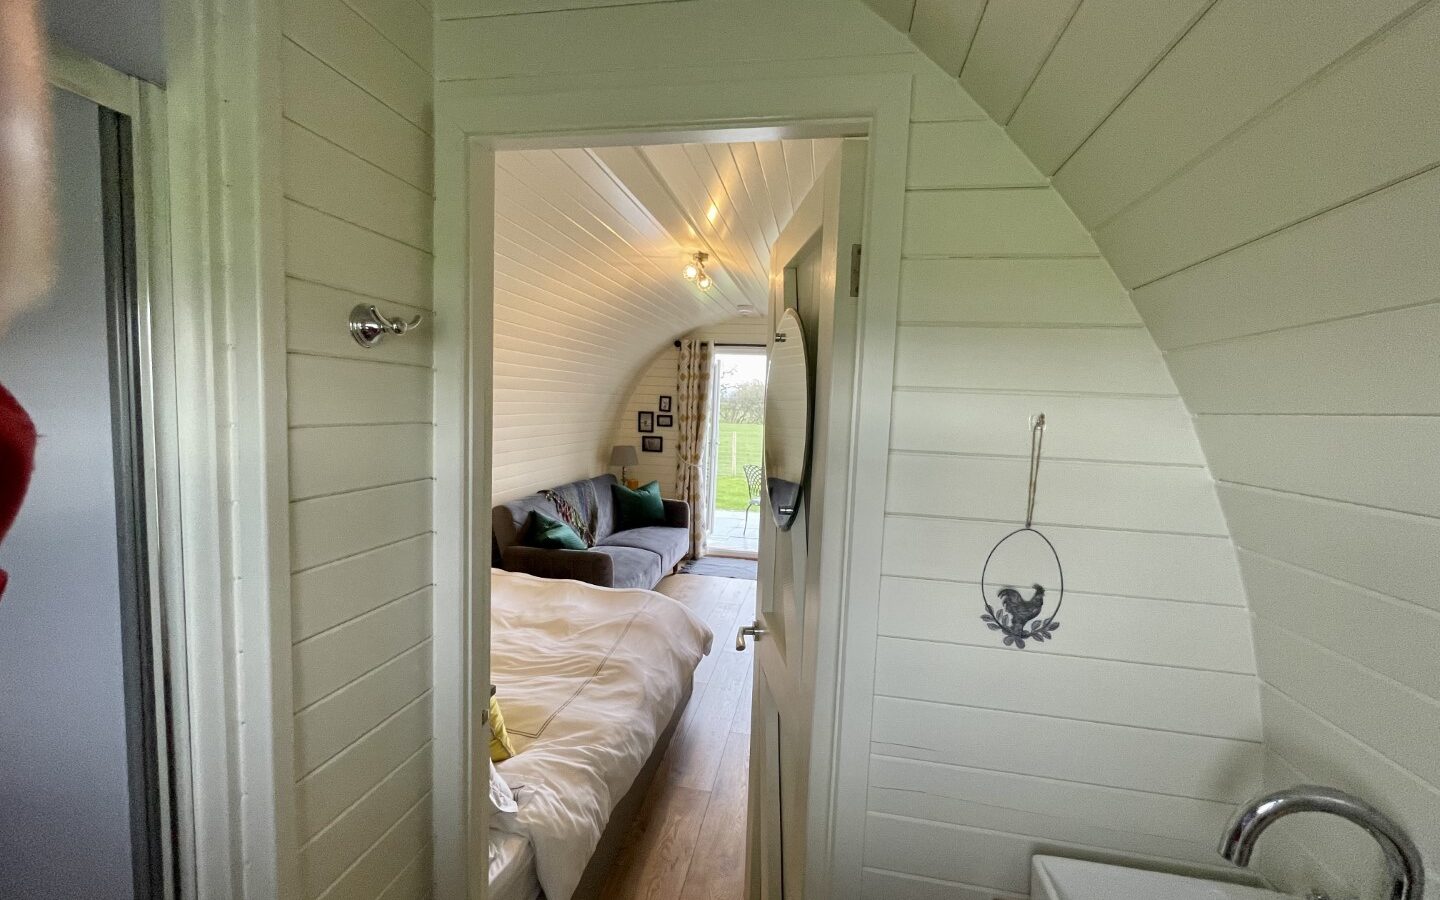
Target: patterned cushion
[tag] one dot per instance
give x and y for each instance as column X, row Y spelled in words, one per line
column 570, row 515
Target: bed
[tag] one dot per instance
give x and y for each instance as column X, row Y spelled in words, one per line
column 591, row 682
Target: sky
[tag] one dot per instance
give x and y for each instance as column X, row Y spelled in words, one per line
column 747, row 366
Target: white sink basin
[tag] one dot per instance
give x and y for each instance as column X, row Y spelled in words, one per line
column 1055, row 878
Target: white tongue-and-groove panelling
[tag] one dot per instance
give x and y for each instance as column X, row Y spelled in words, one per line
column 589, row 244
column 1133, row 736
column 1263, row 178
column 985, row 755
column 357, row 86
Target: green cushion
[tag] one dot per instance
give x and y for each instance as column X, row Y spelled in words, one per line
column 638, row 509
column 550, row 534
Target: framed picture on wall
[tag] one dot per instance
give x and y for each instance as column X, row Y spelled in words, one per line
column 652, row 444
column 645, row 422
column 664, row 421
column 664, row 403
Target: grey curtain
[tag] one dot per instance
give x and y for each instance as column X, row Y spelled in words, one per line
column 692, row 416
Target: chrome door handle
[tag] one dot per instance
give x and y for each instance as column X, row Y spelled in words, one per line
column 754, row 631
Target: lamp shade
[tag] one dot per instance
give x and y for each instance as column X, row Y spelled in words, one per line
column 624, row 455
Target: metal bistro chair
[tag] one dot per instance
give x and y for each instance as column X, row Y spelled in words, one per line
column 754, row 481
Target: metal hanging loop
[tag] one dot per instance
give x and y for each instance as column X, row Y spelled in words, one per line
column 368, row 325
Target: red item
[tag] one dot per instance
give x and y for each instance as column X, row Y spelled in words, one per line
column 17, row 463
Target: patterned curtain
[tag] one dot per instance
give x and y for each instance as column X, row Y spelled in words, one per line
column 692, row 415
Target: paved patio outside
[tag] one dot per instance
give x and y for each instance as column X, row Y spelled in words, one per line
column 729, row 532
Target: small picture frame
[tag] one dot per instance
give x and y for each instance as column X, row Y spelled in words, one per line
column 652, row 444
column 664, row 403
column 664, row 421
column 645, row 422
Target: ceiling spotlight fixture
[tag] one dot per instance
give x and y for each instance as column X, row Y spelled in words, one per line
column 695, row 271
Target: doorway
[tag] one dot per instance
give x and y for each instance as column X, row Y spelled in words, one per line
column 735, row 461
column 621, row 221
column 475, row 128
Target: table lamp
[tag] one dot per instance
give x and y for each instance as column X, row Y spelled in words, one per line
column 624, row 456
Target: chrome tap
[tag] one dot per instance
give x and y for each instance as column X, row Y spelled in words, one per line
column 1402, row 857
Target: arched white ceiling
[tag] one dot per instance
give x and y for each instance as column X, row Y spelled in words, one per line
column 1264, row 176
column 589, row 247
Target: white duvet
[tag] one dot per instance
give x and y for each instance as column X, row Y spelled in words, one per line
column 587, row 678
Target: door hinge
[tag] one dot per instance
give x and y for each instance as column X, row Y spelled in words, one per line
column 855, row 270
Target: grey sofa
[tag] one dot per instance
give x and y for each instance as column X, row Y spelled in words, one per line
column 636, row 558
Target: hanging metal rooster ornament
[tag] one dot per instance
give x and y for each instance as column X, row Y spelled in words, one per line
column 1016, row 614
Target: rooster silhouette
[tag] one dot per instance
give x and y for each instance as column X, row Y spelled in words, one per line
column 1020, row 609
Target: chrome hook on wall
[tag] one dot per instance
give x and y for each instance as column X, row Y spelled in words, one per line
column 368, row 325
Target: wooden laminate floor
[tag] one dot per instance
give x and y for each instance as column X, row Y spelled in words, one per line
column 689, row 840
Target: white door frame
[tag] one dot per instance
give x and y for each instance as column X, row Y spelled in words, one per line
column 218, row 330
column 724, row 101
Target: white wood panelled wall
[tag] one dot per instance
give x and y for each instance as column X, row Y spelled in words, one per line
column 357, row 178
column 662, row 378
column 575, row 313
column 1133, row 736
column 1263, row 176
column 1135, row 732
column 659, row 378
column 588, row 250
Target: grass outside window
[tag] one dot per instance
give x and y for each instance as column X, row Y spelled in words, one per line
column 741, row 444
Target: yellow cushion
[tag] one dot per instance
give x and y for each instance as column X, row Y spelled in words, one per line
column 500, row 747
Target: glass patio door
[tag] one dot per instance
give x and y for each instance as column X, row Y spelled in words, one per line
column 737, row 432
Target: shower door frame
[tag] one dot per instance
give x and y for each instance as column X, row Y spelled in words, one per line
column 145, row 381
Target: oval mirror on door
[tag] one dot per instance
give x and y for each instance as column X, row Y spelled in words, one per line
column 787, row 420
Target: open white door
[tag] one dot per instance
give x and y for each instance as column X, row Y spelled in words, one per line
column 814, row 271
